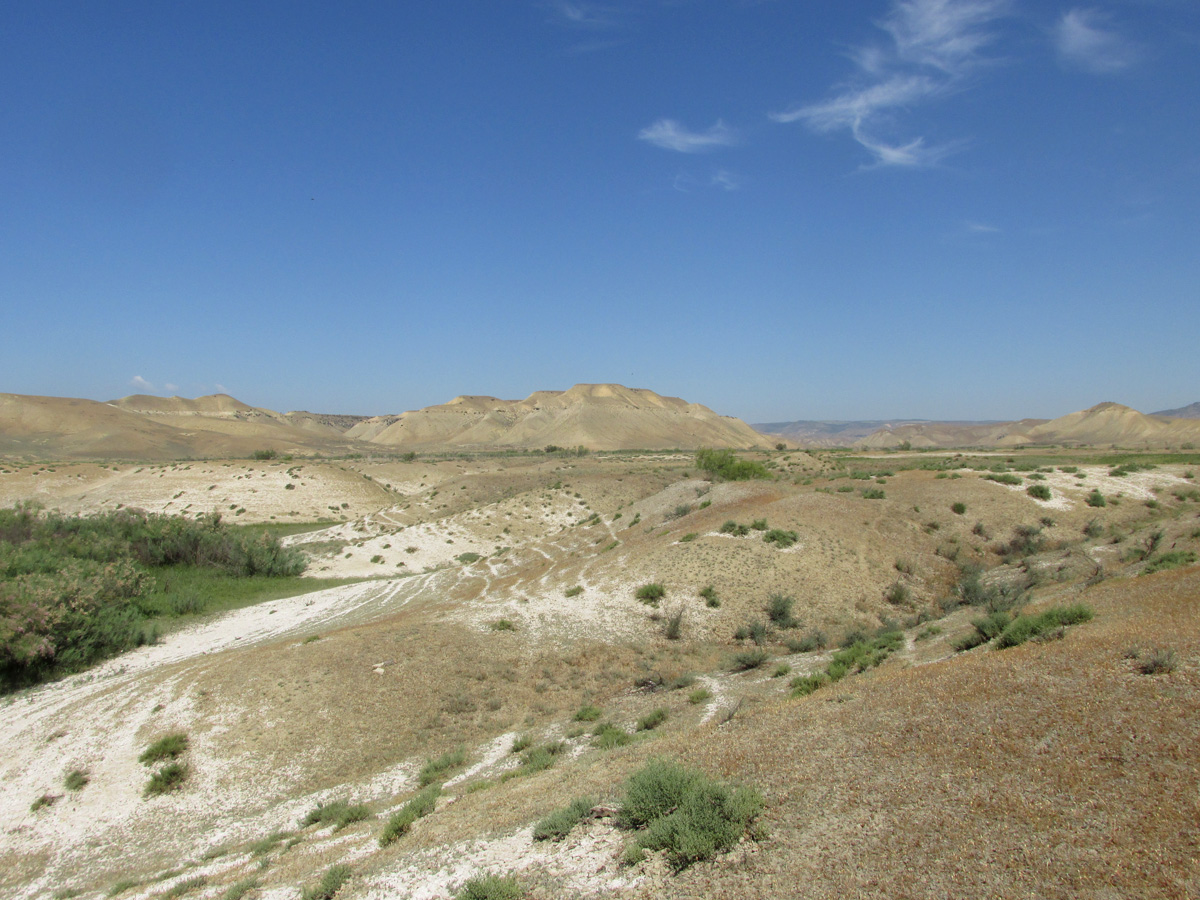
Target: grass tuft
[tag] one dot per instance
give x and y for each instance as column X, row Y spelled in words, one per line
column 331, row 882
column 418, row 807
column 559, row 823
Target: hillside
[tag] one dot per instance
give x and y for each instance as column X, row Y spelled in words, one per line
column 496, row 648
column 822, row 433
column 1191, row 411
column 596, row 416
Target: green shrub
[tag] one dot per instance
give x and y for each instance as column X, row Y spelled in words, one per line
column 898, row 593
column 1004, row 478
column 421, row 805
column 779, row 610
column 1038, row 492
column 240, row 889
column 674, row 626
column 685, row 813
column 1157, row 662
column 781, row 670
column 733, row 528
column 574, row 591
column 76, row 780
column 814, row 640
column 711, row 600
column 1027, row 627
column 873, row 494
column 588, row 713
column 699, row 695
column 435, row 769
column 609, row 735
column 749, row 659
column 1171, row 559
column 169, row 778
column 468, row 558
column 803, row 685
column 759, row 525
column 44, row 801
column 185, row 887
column 1095, row 498
column 502, row 625
column 651, row 593
column 331, row 882
column 689, row 537
column 559, row 823
column 780, row 538
column 491, row 887
column 265, row 454
column 725, row 465
column 958, row 508
column 652, row 720
column 338, row 812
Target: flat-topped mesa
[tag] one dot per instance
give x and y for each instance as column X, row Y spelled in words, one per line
column 597, row 416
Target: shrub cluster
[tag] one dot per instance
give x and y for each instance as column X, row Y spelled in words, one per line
column 75, row 590
column 418, row 807
column 725, row 465
column 685, row 813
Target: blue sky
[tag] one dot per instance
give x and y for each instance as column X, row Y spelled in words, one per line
column 780, row 209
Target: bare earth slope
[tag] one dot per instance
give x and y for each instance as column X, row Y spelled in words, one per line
column 597, row 416
column 1051, row 770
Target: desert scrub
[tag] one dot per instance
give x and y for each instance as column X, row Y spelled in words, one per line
column 573, row 591
column 1032, row 627
column 699, row 695
column 588, row 713
column 711, row 600
column 803, row 685
column 733, row 528
column 609, row 736
column 749, row 659
column 331, row 882
column 1005, row 478
column 1096, row 499
column 435, row 769
column 874, row 494
column 240, row 889
column 418, row 807
column 779, row 611
column 863, row 654
column 169, row 778
column 673, row 629
column 1172, row 559
column 185, row 887
column 652, row 720
column 724, row 465
column 169, row 747
column 958, row 508
column 559, row 823
column 780, row 538
column 491, row 887
column 339, row 812
column 76, row 780
column 651, row 593
column 1038, row 492
column 1155, row 662
column 685, row 813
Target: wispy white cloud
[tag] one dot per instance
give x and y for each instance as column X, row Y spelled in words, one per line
column 671, row 135
column 725, row 180
column 980, row 228
column 1083, row 42
column 934, row 45
column 581, row 14
column 141, row 383
column 221, row 389
column 171, row 387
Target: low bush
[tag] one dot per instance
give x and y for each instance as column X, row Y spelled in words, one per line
column 574, row 591
column 1004, row 478
column 652, row 720
column 587, row 713
column 723, row 464
column 1028, row 627
column 651, row 593
column 435, row 769
column 685, row 813
column 421, row 805
column 699, row 695
column 559, row 823
column 958, row 508
column 168, row 747
column 779, row 610
column 1157, row 662
column 803, row 685
column 240, row 889
column 339, row 813
column 1171, row 559
column 76, row 780
column 331, row 882
column 780, row 538
column 733, row 528
column 711, row 600
column 169, row 778
column 491, row 887
column 1096, row 499
column 674, row 625
column 186, row 886
column 874, row 494
column 609, row 735
column 749, row 659
column 1038, row 492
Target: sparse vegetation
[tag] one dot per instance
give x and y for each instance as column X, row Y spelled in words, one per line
column 958, row 508
column 329, row 885
column 588, row 713
column 574, row 591
column 168, row 747
column 1038, row 492
column 339, row 813
column 169, row 778
column 779, row 611
column 651, row 593
column 491, row 887
column 711, row 600
column 1096, row 499
column 652, row 720
column 780, row 538
column 435, row 769
column 421, row 805
column 76, row 780
column 723, row 464
column 559, row 823
column 1171, row 559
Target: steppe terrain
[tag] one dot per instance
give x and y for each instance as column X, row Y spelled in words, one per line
column 497, row 600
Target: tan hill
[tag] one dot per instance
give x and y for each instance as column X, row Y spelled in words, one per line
column 1191, row 411
column 1106, row 424
column 143, row 427
column 596, row 416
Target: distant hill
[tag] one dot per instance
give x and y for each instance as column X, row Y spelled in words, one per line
column 1105, row 424
column 597, row 416
column 1191, row 411
column 834, row 433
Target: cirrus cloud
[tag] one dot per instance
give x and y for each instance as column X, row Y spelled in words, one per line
column 671, row 135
